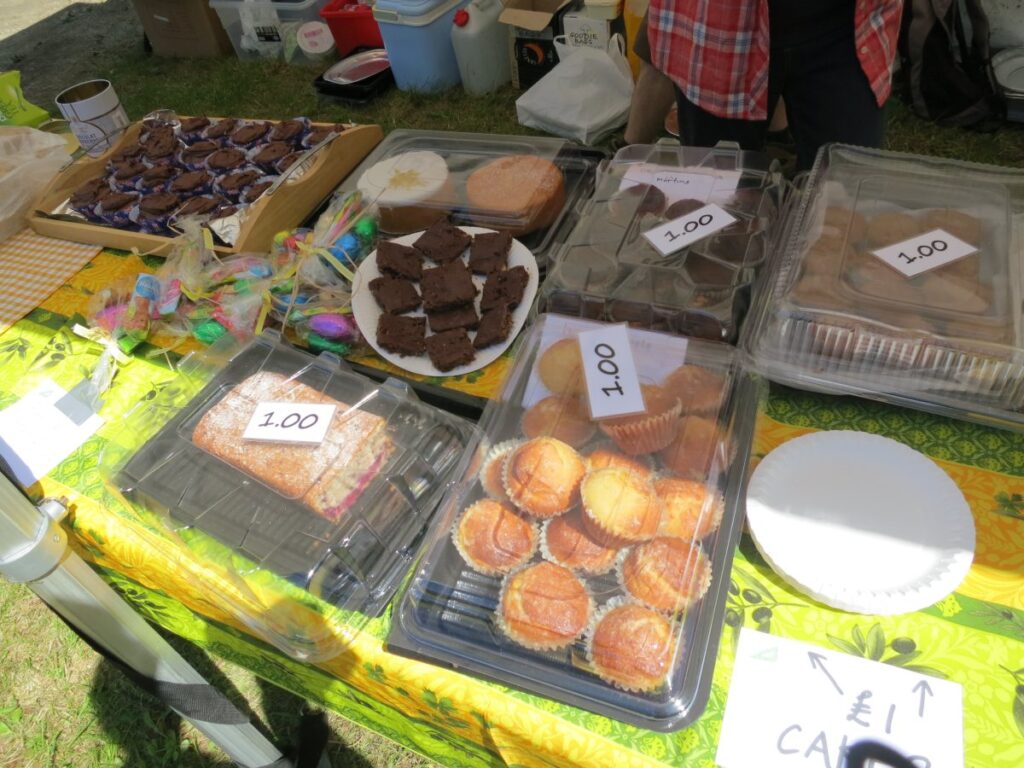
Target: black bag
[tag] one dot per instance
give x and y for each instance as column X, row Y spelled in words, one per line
column 948, row 77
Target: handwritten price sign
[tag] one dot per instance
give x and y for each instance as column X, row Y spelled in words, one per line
column 924, row 252
column 613, row 386
column 290, row 422
column 679, row 233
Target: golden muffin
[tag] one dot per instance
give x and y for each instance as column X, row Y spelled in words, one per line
column 619, row 507
column 666, row 574
column 632, row 647
column 566, row 541
column 492, row 475
column 689, row 509
column 560, row 368
column 493, row 539
column 957, row 223
column 891, row 227
column 561, row 417
column 605, row 456
column 649, row 431
column 844, row 223
column 542, row 477
column 693, row 450
column 543, row 607
column 700, row 390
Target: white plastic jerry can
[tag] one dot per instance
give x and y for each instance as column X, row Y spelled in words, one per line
column 481, row 47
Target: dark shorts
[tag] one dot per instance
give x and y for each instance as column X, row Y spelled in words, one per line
column 641, row 46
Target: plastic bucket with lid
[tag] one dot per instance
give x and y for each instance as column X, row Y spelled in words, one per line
column 417, row 36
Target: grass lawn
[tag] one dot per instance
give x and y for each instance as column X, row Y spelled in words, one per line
column 60, row 706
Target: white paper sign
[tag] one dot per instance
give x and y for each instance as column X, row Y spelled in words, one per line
column 924, row 252
column 795, row 705
column 290, row 422
column 679, row 233
column 613, row 386
column 36, row 436
column 681, row 183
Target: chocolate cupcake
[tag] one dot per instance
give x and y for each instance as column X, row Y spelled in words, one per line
column 127, row 174
column 191, row 183
column 115, row 208
column 651, row 430
column 225, row 160
column 267, row 156
column 156, row 179
column 232, row 185
column 200, row 206
column 248, row 134
column 318, row 133
column 290, row 131
column 153, row 211
column 289, row 160
column 191, row 128
column 133, row 151
column 220, row 130
column 85, row 198
column 193, row 157
column 253, row 192
column 160, row 148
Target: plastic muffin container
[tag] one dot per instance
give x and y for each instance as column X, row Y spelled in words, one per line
column 341, row 514
column 607, row 270
column 528, row 186
column 921, row 329
column 588, row 560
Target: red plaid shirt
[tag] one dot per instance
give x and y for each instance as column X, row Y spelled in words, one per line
column 716, row 51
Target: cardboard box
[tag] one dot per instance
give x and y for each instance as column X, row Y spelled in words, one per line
column 533, row 27
column 285, row 208
column 582, row 29
column 183, row 28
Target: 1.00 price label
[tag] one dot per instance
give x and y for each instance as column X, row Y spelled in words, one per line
column 924, row 252
column 613, row 387
column 290, row 422
column 679, row 233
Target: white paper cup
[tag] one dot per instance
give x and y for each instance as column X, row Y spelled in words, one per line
column 95, row 113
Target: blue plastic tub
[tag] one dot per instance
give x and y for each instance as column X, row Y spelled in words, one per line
column 418, row 38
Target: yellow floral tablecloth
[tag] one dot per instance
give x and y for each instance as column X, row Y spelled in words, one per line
column 975, row 636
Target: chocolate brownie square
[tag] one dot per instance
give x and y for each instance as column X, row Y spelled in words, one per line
column 402, row 335
column 447, row 287
column 505, row 287
column 489, row 252
column 394, row 296
column 495, row 327
column 450, row 349
column 399, row 260
column 463, row 317
column 443, row 242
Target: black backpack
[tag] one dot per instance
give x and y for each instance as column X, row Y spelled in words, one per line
column 948, row 76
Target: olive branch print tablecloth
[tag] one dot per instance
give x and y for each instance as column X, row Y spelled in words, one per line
column 975, row 636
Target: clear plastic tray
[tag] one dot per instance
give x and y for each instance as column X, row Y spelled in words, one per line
column 469, row 603
column 342, row 518
column 529, row 186
column 607, row 270
column 835, row 317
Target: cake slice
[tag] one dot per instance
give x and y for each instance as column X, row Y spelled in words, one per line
column 328, row 478
column 489, row 252
column 393, row 295
column 450, row 349
column 447, row 287
column 399, row 260
column 505, row 287
column 463, row 317
column 402, row 334
column 443, row 242
column 495, row 326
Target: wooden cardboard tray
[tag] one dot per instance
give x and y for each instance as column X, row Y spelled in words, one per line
column 284, row 208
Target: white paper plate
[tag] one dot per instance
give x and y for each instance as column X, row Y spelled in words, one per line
column 367, row 311
column 860, row 522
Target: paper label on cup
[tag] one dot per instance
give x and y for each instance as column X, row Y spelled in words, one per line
column 681, row 183
column 613, row 386
column 679, row 233
column 290, row 422
column 925, row 252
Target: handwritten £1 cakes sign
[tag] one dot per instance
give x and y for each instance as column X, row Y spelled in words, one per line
column 794, row 704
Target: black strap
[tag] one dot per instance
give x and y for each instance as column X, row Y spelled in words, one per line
column 863, row 753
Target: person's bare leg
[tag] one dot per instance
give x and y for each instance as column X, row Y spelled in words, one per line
column 653, row 96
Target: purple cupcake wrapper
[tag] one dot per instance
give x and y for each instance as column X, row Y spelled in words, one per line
column 153, row 162
column 234, row 197
column 191, row 165
column 119, row 219
column 269, row 177
column 154, row 225
column 125, row 185
column 151, row 190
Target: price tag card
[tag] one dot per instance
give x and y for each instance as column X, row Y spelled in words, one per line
column 37, row 434
column 795, row 704
column 679, row 233
column 681, row 183
column 613, row 386
column 924, row 252
column 290, row 422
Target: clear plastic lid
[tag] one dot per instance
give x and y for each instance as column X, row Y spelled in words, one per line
column 587, row 560
column 525, row 185
column 901, row 278
column 609, row 270
column 300, row 468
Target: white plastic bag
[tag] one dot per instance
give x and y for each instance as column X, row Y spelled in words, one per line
column 29, row 159
column 586, row 95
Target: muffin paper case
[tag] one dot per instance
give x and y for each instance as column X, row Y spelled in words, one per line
column 257, row 189
column 193, row 157
column 492, row 473
column 269, row 165
column 129, row 177
column 292, row 131
column 117, row 217
column 507, row 528
column 224, row 184
column 190, row 130
column 155, row 225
